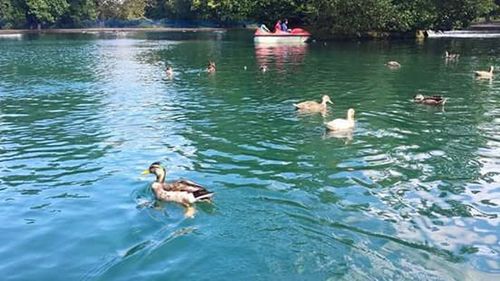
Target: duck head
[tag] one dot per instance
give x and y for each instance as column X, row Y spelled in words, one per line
column 418, row 98
column 326, row 99
column 350, row 114
column 157, row 169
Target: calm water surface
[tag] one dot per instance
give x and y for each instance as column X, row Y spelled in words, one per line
column 412, row 194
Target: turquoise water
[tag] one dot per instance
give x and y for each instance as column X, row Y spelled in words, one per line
column 412, row 194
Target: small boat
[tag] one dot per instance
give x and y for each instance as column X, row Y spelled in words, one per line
column 296, row 35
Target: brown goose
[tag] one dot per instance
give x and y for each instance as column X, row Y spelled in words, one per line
column 313, row 106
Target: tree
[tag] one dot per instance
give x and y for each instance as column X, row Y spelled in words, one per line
column 460, row 13
column 78, row 12
column 45, row 11
column 107, row 9
column 132, row 9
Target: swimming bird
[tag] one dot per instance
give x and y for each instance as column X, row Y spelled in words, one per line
column 169, row 71
column 313, row 106
column 181, row 191
column 263, row 68
column 342, row 124
column 211, row 67
column 450, row 56
column 393, row 64
column 485, row 74
column 429, row 100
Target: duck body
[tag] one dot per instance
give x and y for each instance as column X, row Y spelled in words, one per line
column 211, row 68
column 342, row 124
column 313, row 106
column 484, row 74
column 393, row 64
column 429, row 100
column 450, row 56
column 182, row 191
column 169, row 71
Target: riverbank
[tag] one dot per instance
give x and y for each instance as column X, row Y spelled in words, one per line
column 493, row 26
column 486, row 26
column 112, row 30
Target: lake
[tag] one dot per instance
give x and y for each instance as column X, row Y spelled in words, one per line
column 413, row 193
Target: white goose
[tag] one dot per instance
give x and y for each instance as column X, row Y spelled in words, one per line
column 484, row 74
column 342, row 124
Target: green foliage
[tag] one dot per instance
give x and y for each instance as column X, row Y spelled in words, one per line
column 78, row 12
column 132, row 9
column 459, row 13
column 324, row 16
column 46, row 11
column 107, row 9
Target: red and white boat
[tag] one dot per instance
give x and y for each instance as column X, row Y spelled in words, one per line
column 296, row 35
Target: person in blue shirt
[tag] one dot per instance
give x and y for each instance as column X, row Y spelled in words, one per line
column 284, row 25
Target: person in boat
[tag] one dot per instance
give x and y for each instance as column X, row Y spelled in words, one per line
column 264, row 28
column 284, row 26
column 277, row 26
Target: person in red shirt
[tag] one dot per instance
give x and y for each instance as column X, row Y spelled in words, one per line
column 277, row 26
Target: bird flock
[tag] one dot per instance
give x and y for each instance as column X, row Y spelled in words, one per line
column 187, row 192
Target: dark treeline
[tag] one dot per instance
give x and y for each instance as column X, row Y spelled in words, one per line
column 324, row 16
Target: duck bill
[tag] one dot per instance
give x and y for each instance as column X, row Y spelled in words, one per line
column 145, row 172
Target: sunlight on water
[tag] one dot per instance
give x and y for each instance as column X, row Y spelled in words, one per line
column 411, row 194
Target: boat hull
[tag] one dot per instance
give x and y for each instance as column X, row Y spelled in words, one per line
column 296, row 35
column 281, row 39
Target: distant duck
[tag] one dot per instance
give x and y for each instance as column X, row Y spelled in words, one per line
column 211, row 67
column 169, row 71
column 393, row 64
column 181, row 191
column 263, row 68
column 450, row 56
column 485, row 74
column 313, row 106
column 342, row 124
column 429, row 100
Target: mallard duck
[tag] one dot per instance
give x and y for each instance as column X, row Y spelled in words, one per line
column 450, row 56
column 181, row 191
column 429, row 100
column 313, row 106
column 393, row 64
column 485, row 74
column 211, row 67
column 342, row 124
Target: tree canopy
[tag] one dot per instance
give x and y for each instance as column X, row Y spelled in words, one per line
column 329, row 16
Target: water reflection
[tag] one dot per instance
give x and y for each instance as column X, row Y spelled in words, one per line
column 278, row 56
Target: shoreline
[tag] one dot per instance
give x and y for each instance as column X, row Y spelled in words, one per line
column 113, row 29
column 318, row 35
